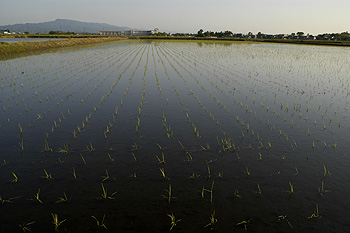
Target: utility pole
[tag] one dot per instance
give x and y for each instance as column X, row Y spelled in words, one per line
column 28, row 28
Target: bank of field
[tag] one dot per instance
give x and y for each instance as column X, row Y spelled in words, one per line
column 8, row 50
column 158, row 136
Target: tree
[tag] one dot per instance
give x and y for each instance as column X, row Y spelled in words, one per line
column 300, row 34
column 200, row 33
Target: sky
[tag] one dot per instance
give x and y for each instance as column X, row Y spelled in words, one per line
column 238, row 16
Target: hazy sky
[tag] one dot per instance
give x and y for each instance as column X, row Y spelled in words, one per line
column 267, row 16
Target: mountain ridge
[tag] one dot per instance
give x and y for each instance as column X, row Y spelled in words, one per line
column 63, row 25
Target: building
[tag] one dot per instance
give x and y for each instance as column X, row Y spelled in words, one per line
column 6, row 31
column 130, row 33
column 141, row 33
column 111, row 33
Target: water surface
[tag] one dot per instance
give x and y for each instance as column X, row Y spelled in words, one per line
column 248, row 132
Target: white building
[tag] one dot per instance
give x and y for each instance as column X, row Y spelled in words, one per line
column 130, row 33
column 111, row 33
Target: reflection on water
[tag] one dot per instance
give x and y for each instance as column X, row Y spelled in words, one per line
column 136, row 133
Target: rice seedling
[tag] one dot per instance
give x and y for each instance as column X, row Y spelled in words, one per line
column 134, row 157
column 101, row 224
column 321, row 189
column 161, row 161
column 110, row 158
column 220, row 174
column 104, row 194
column 247, row 170
column 63, row 199
column 21, row 146
column 202, row 192
column 47, row 147
column 60, row 161
column 25, row 226
column 194, row 175
column 212, row 222
column 90, row 148
column 169, row 196
column 74, row 173
column 4, row 162
column 188, row 157
column 259, row 190
column 296, row 171
column 56, row 222
column 291, row 192
column 315, row 214
column 15, row 179
column 37, row 197
column 326, row 172
column 283, row 158
column 82, row 158
column 244, row 223
column 206, row 148
column 173, row 222
column 8, row 200
column 20, row 129
column 284, row 218
column 163, row 173
column 135, row 147
column 47, row 175
column 65, row 149
column 208, row 168
column 236, row 194
column 105, row 177
column 269, row 145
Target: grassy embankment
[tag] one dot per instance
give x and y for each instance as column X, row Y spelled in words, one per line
column 50, row 36
column 8, row 50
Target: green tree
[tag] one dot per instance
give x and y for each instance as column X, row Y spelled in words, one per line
column 300, row 34
column 200, row 33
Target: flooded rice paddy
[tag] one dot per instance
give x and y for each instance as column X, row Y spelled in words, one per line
column 153, row 136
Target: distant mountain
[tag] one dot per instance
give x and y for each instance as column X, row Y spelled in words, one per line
column 63, row 25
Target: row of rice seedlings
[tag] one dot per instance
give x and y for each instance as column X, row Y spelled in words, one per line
column 195, row 130
column 218, row 101
column 57, row 84
column 102, row 100
column 39, row 118
column 170, row 133
column 118, row 108
column 201, row 104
